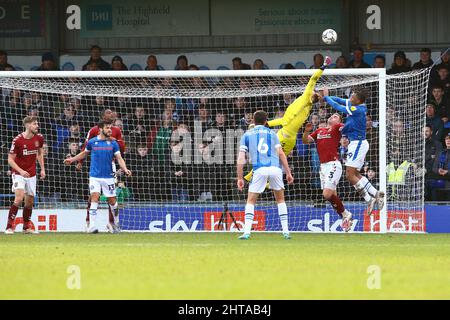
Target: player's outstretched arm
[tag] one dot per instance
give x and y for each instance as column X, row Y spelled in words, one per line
column 122, row 164
column 78, row 157
column 285, row 164
column 335, row 105
column 275, row 122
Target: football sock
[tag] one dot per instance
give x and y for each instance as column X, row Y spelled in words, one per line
column 337, row 204
column 93, row 213
column 282, row 212
column 12, row 215
column 249, row 214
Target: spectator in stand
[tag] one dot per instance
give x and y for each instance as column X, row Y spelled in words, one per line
column 92, row 66
column 117, row 64
column 72, row 183
column 441, row 169
column 372, row 138
column 323, row 112
column 380, row 61
column 138, row 124
column 434, row 122
column 182, row 63
column 289, row 66
column 358, row 59
column 48, row 63
column 237, row 63
column 4, row 65
column 96, row 57
column 246, row 66
column 400, row 64
column 425, row 59
column 318, row 61
column 443, row 80
column 180, row 172
column 258, row 64
column 341, row 62
column 432, row 151
column 75, row 133
column 144, row 180
column 152, row 63
column 440, row 102
column 314, row 119
column 445, row 62
column 204, row 117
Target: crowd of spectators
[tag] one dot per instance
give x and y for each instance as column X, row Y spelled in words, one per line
column 154, row 128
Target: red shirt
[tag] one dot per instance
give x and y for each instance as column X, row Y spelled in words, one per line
column 26, row 151
column 328, row 140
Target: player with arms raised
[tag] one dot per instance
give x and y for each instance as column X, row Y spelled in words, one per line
column 25, row 149
column 328, row 140
column 355, row 130
column 108, row 116
column 296, row 114
column 267, row 157
column 103, row 149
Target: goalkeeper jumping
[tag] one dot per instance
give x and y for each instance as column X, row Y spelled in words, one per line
column 296, row 114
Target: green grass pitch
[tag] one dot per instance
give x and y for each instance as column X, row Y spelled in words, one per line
column 218, row 266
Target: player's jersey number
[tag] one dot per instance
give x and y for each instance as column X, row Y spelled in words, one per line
column 263, row 148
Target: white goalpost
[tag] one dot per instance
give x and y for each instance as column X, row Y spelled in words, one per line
column 182, row 131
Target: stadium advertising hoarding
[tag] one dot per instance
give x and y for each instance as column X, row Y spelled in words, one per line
column 22, row 18
column 234, row 17
column 141, row 18
column 206, row 218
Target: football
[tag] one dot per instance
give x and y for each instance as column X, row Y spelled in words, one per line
column 329, row 36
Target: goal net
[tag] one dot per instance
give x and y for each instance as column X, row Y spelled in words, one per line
column 182, row 132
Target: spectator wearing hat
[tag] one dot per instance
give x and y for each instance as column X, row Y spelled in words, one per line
column 425, row 60
column 48, row 63
column 358, row 59
column 117, row 64
column 96, row 58
column 400, row 63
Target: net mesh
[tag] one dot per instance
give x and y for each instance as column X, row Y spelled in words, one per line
column 182, row 136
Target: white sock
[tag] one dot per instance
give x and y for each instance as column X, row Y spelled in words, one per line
column 249, row 214
column 93, row 213
column 345, row 214
column 115, row 211
column 368, row 187
column 359, row 186
column 282, row 212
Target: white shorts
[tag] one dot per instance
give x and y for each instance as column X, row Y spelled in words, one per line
column 356, row 153
column 107, row 185
column 330, row 174
column 26, row 184
column 259, row 179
